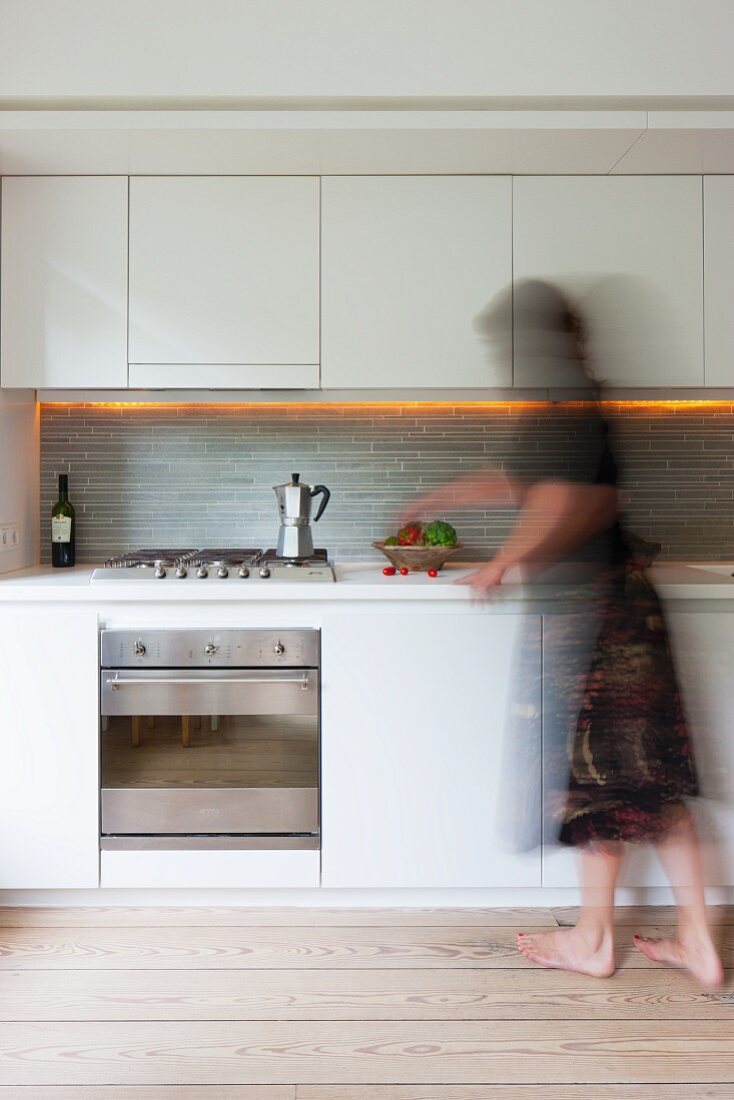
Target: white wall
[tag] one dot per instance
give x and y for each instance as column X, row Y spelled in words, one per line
column 241, row 48
column 19, row 474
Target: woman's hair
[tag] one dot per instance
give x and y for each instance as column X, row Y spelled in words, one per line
column 548, row 330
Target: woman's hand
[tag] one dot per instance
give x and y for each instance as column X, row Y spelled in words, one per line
column 430, row 505
column 481, row 488
column 485, row 580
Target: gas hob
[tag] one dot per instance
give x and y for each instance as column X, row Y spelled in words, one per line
column 240, row 564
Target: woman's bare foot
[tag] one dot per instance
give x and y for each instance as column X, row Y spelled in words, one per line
column 587, row 952
column 695, row 953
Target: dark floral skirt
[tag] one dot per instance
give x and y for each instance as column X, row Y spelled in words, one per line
column 617, row 761
column 629, row 759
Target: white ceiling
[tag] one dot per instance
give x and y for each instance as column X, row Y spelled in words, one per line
column 148, row 50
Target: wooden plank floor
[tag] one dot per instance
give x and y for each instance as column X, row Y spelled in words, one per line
column 345, row 1004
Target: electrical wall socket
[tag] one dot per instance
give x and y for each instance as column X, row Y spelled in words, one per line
column 9, row 536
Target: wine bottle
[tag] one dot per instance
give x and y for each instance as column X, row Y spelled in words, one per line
column 63, row 527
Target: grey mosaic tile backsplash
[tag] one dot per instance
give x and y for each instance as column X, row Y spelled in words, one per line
column 196, row 475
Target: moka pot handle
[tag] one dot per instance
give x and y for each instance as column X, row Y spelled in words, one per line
column 320, row 490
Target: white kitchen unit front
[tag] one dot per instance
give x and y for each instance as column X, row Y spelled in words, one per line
column 408, row 264
column 359, row 283
column 420, row 784
column 212, row 869
column 64, row 282
column 718, row 209
column 703, row 642
column 414, row 780
column 49, row 737
column 224, row 282
column 629, row 251
column 703, row 647
column 568, row 640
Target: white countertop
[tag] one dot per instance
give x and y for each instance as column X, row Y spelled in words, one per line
column 355, row 581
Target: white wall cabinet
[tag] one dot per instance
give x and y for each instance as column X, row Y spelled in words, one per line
column 629, row 250
column 408, row 263
column 49, row 742
column 64, row 282
column 718, row 207
column 224, row 282
column 413, row 771
column 359, row 283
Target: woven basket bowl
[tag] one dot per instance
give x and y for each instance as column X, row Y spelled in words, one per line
column 417, row 559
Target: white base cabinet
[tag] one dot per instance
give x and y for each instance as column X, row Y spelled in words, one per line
column 416, row 770
column 703, row 649
column 210, row 869
column 413, row 775
column 49, row 745
column 704, row 652
column 640, row 868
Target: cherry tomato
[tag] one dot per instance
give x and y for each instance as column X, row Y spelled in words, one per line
column 410, row 535
column 404, row 572
column 433, row 572
column 389, row 570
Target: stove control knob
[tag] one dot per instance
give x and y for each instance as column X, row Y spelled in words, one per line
column 139, row 649
column 222, row 571
column 243, row 571
column 210, row 649
column 180, row 571
column 265, row 572
column 202, row 571
column 278, row 649
column 159, row 571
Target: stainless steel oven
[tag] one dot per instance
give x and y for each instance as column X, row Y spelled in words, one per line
column 210, row 738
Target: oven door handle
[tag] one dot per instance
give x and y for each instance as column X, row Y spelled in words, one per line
column 301, row 681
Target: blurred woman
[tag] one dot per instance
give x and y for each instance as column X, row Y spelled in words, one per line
column 629, row 760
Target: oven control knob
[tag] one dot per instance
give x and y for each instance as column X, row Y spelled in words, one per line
column 278, row 649
column 139, row 649
column 159, row 571
column 202, row 571
column 243, row 571
column 265, row 572
column 180, row 571
column 210, row 649
column 222, row 571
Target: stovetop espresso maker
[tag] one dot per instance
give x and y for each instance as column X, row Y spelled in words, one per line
column 294, row 505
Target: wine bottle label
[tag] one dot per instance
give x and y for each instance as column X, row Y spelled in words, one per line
column 61, row 529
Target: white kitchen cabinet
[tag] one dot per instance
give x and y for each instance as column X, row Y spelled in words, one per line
column 49, row 738
column 718, row 211
column 703, row 648
column 414, row 775
column 212, row 869
column 408, row 264
column 224, row 282
column 64, row 281
column 629, row 252
column 568, row 639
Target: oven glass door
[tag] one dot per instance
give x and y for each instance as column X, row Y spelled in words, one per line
column 203, row 752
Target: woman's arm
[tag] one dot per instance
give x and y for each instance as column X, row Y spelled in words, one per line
column 556, row 518
column 479, row 487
